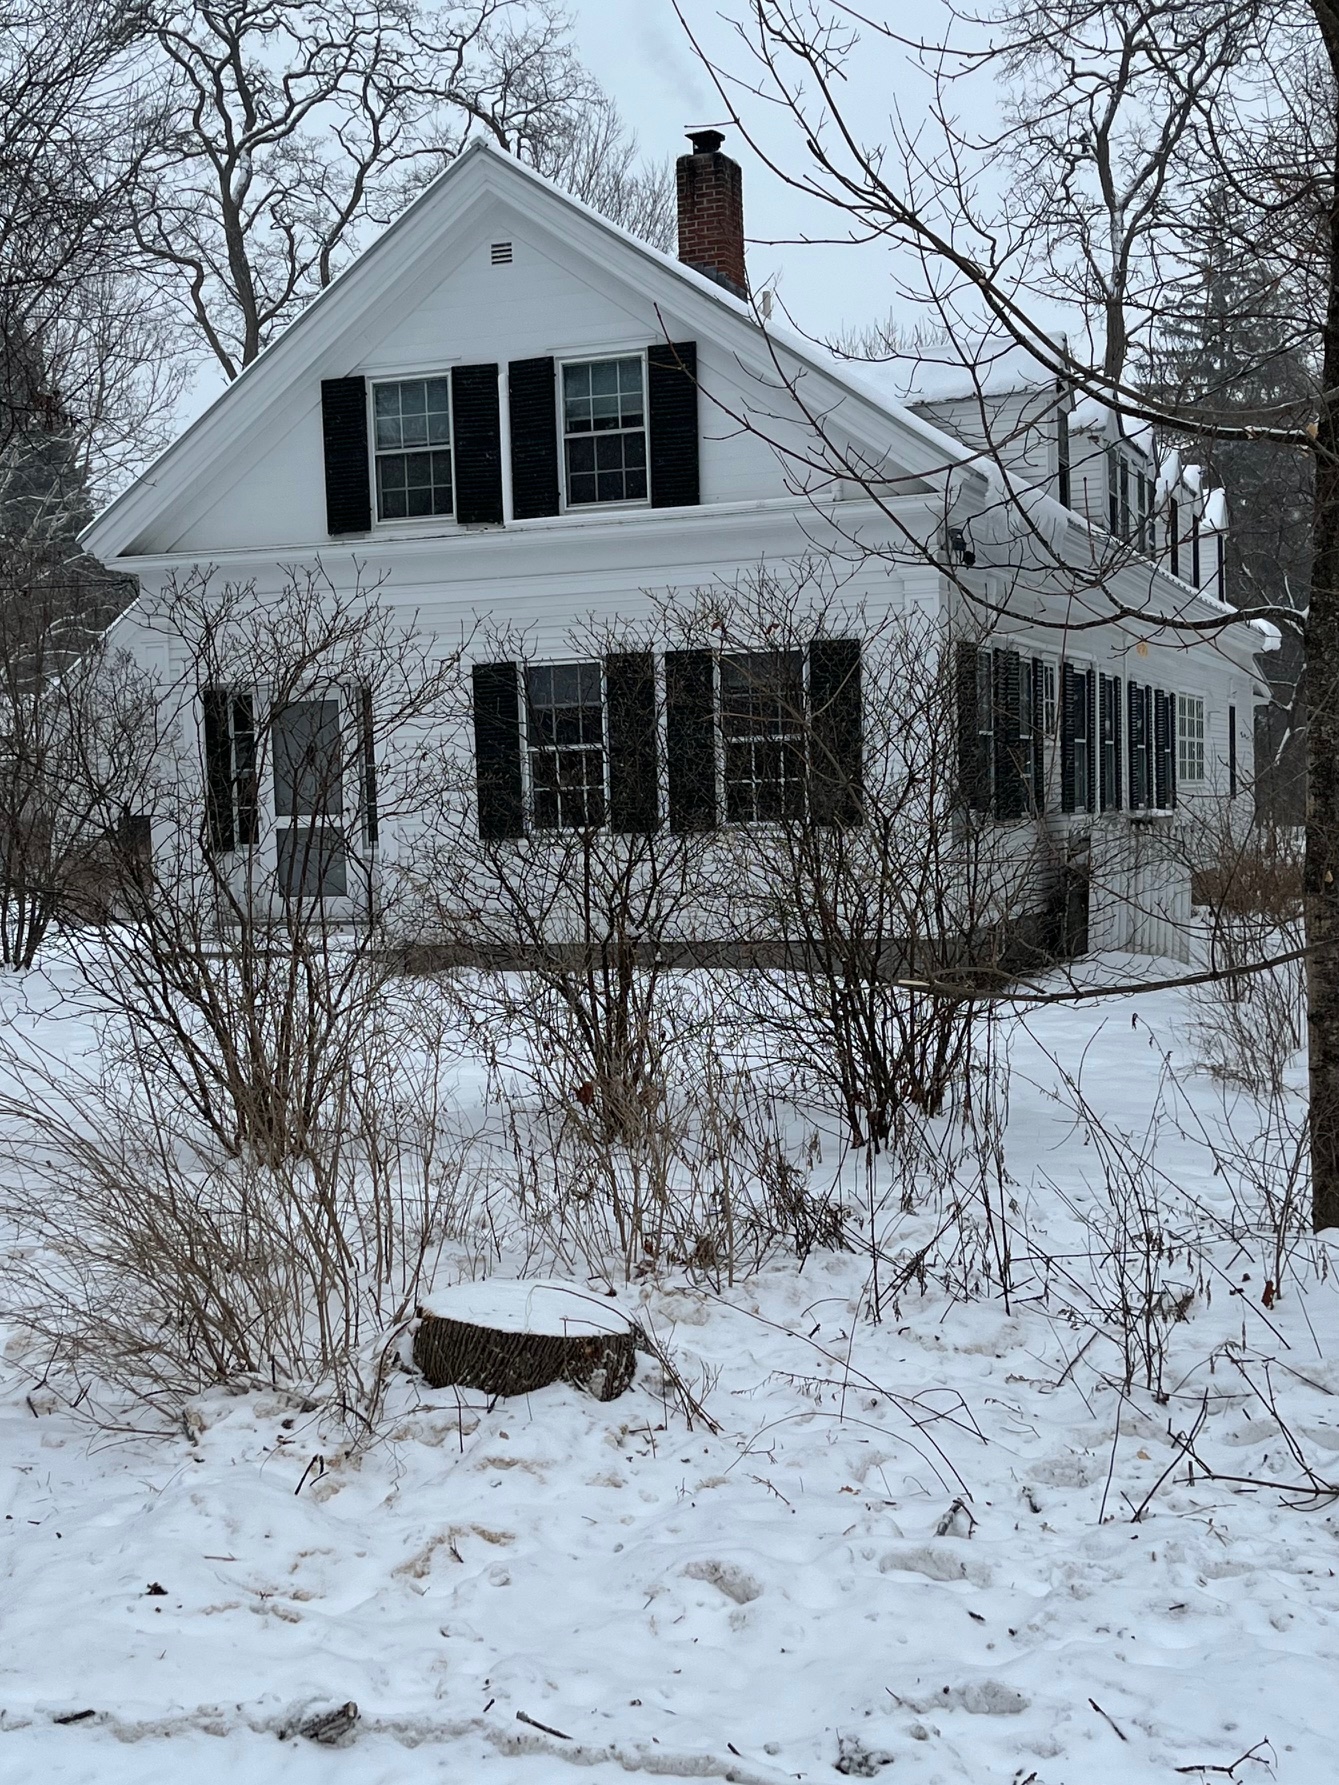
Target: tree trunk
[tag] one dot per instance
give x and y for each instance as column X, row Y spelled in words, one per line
column 1322, row 690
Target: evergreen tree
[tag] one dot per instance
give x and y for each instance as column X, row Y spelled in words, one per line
column 1231, row 346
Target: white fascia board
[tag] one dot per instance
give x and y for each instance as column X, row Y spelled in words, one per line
column 748, row 526
column 397, row 258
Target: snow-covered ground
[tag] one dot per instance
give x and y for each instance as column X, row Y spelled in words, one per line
column 910, row 1545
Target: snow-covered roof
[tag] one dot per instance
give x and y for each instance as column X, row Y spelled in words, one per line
column 1214, row 518
column 936, row 367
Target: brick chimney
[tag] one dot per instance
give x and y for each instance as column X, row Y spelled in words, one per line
column 711, row 212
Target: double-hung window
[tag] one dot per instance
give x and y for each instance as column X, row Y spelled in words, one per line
column 763, row 735
column 412, row 444
column 566, row 745
column 299, row 778
column 604, row 430
column 1190, row 739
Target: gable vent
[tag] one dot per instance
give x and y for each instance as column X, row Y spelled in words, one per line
column 501, row 254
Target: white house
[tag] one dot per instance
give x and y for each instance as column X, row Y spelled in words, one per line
column 509, row 409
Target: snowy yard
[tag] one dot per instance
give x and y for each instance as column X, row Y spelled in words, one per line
column 911, row 1549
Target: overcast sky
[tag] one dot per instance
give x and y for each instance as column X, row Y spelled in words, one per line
column 640, row 54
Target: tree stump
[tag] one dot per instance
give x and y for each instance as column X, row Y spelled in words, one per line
column 509, row 1338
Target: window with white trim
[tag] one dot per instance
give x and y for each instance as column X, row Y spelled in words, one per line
column 1190, row 739
column 604, row 431
column 763, row 733
column 412, row 446
column 564, row 704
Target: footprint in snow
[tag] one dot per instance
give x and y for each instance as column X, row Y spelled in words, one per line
column 936, row 1561
column 735, row 1583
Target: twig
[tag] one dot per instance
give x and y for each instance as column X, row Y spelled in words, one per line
column 1230, row 1772
column 317, row 1459
column 522, row 1718
column 1111, row 1465
column 1116, row 1726
column 1185, row 1442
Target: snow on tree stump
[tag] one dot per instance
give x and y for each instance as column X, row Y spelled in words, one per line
column 510, row 1338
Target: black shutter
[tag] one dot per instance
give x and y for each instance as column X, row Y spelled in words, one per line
column 245, row 769
column 476, row 425
column 348, row 493
column 1010, row 784
column 532, row 402
column 1232, row 753
column 497, row 750
column 1038, row 735
column 1109, row 711
column 367, row 765
column 220, row 830
column 690, row 737
column 1138, row 747
column 836, row 762
column 1071, row 714
column 1163, row 778
column 634, row 792
column 672, row 414
column 973, row 769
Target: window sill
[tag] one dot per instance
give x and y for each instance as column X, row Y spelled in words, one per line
column 625, row 507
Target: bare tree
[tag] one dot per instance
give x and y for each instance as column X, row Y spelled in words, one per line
column 1104, row 102
column 81, row 342
column 75, row 747
column 279, row 133
column 592, row 153
column 919, row 193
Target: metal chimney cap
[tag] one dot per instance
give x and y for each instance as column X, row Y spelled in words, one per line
column 705, row 142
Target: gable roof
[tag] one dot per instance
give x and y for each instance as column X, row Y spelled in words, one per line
column 483, row 171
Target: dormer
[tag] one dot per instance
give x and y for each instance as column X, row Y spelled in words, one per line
column 1192, row 524
column 1008, row 410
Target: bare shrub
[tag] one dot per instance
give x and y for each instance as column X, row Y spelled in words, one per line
column 709, row 1183
column 1145, row 1261
column 158, row 1262
column 881, row 896
column 946, row 1177
column 255, row 939
column 1249, row 1025
column 578, row 909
